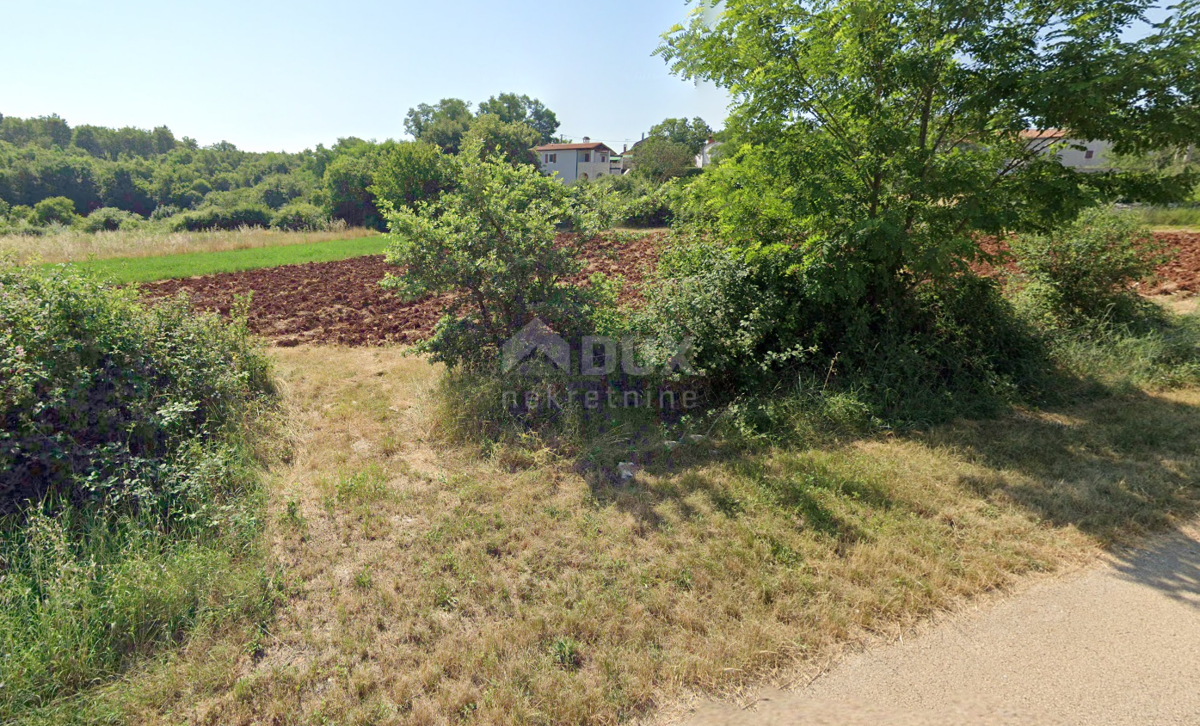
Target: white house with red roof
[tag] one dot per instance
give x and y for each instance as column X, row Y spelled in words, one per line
column 1072, row 153
column 568, row 162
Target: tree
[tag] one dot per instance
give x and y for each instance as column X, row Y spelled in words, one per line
column 348, row 179
column 660, row 159
column 892, row 128
column 493, row 239
column 512, row 108
column 410, row 173
column 514, row 140
column 55, row 209
column 692, row 134
column 163, row 140
column 443, row 124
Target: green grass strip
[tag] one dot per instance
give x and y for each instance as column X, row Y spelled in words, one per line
column 122, row 270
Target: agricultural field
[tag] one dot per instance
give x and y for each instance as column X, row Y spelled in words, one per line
column 124, row 270
column 76, row 246
column 342, row 302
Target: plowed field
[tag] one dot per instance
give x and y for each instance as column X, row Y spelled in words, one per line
column 342, row 303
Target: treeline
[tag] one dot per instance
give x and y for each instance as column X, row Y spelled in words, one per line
column 101, row 178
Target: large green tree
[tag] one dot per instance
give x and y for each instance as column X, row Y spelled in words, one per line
column 444, row 123
column 692, row 134
column 661, row 159
column 890, row 131
column 513, row 140
column 410, row 173
column 512, row 108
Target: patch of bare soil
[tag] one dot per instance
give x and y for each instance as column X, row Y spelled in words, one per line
column 342, row 302
column 1181, row 274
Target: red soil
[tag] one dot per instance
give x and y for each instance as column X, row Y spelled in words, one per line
column 342, row 303
column 1181, row 274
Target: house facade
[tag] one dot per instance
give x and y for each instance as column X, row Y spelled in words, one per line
column 705, row 157
column 1072, row 153
column 571, row 162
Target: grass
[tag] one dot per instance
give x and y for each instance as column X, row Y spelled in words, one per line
column 430, row 584
column 148, row 269
column 75, row 246
column 1171, row 219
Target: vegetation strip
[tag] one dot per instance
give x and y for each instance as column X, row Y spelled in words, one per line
column 149, row 269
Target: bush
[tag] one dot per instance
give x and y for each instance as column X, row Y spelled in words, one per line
column 124, row 474
column 109, row 219
column 241, row 215
column 1087, row 270
column 300, row 216
column 100, row 396
column 494, row 238
column 53, row 210
column 759, row 318
column 164, row 212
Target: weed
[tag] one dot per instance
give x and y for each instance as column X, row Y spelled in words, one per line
column 566, row 653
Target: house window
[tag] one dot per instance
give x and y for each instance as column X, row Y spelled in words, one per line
column 603, row 158
column 587, row 156
column 1089, row 154
column 552, row 158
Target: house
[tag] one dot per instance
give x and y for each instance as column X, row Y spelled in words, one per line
column 1072, row 153
column 705, row 157
column 569, row 162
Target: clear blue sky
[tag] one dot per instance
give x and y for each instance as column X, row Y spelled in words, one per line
column 290, row 75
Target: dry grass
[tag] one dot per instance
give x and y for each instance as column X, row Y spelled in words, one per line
column 71, row 245
column 430, row 586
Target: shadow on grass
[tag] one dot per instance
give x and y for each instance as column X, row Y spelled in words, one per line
column 1113, row 467
column 735, row 478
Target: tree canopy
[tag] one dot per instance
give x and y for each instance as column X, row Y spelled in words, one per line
column 511, row 108
column 889, row 131
column 692, row 134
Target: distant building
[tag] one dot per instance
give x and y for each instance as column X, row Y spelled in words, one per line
column 1072, row 153
column 705, row 157
column 570, row 162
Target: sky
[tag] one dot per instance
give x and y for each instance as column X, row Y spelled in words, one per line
column 284, row 76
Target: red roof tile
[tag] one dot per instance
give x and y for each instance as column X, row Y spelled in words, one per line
column 569, row 147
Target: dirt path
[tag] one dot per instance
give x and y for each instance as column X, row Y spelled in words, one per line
column 1117, row 644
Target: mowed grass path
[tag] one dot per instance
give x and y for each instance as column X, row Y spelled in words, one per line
column 147, row 269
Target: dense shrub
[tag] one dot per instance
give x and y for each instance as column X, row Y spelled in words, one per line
column 642, row 202
column 1087, row 270
column 124, row 473
column 164, row 212
column 109, row 219
column 494, row 238
column 758, row 316
column 58, row 210
column 299, row 216
column 100, row 397
column 241, row 215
